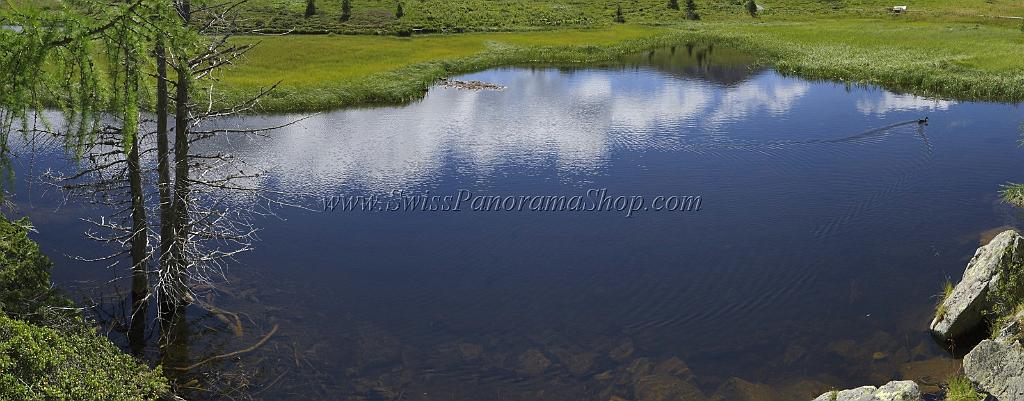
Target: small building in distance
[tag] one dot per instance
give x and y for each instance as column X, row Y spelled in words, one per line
column 898, row 9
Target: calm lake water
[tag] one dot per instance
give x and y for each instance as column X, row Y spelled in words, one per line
column 826, row 228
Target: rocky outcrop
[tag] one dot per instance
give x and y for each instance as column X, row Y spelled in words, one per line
column 893, row 391
column 963, row 310
column 997, row 367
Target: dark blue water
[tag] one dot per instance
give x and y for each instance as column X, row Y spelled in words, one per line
column 827, row 224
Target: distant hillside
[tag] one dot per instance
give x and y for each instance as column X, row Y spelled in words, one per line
column 425, row 16
column 378, row 16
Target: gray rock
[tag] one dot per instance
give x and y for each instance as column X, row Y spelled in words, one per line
column 963, row 310
column 905, row 390
column 997, row 367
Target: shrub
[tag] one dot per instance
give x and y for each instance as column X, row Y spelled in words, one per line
column 673, row 4
column 39, row 363
column 752, row 8
column 399, row 12
column 25, row 290
column 618, row 14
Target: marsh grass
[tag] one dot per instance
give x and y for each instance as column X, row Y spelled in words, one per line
column 960, row 389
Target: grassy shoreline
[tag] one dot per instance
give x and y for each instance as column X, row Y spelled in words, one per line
column 956, row 60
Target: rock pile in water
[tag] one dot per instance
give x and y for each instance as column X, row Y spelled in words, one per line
column 470, row 85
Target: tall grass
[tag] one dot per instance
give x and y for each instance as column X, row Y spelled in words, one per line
column 947, row 290
column 961, row 389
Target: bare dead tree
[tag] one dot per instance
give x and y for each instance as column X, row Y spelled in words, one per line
column 180, row 207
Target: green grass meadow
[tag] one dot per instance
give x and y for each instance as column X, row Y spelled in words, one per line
column 965, row 49
column 954, row 59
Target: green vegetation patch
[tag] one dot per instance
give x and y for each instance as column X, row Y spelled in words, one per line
column 68, row 362
column 39, row 363
column 947, row 290
column 941, row 59
column 431, row 16
column 326, row 72
column 25, row 289
column 961, row 389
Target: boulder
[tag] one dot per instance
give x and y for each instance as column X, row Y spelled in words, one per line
column 963, row 310
column 905, row 390
column 997, row 367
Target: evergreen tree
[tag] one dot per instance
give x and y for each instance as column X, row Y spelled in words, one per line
column 752, row 8
column 310, row 8
column 346, row 10
column 691, row 10
column 399, row 12
column 673, row 4
column 618, row 14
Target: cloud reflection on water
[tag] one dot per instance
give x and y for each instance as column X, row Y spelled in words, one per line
column 571, row 120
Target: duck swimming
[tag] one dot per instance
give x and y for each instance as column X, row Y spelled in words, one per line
column 923, row 122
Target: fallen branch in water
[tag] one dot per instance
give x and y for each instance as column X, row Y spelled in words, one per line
column 230, row 354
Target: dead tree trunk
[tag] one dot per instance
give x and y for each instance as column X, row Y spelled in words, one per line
column 173, row 300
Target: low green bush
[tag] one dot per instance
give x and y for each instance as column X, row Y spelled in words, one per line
column 43, row 364
column 68, row 361
column 25, row 289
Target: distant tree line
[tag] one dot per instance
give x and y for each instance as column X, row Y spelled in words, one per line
column 346, row 10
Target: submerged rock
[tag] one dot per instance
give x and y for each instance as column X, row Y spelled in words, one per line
column 533, row 362
column 905, row 390
column 963, row 310
column 929, row 374
column 803, row 389
column 577, row 363
column 623, row 351
column 663, row 387
column 673, row 367
column 736, row 389
column 997, row 367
